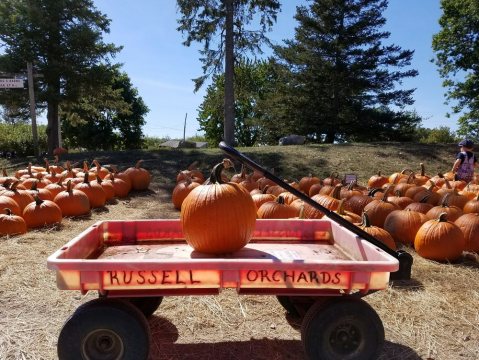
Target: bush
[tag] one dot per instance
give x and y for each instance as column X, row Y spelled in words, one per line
column 19, row 138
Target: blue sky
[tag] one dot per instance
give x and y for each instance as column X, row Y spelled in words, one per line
column 161, row 68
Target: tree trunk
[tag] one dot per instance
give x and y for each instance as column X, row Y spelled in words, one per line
column 229, row 76
column 52, row 127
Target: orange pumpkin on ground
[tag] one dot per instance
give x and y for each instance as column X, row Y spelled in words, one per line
column 379, row 233
column 404, row 224
column 469, row 225
column 140, row 178
column 94, row 191
column 11, row 204
column 218, row 217
column 277, row 209
column 72, row 202
column 439, row 240
column 11, row 224
column 42, row 213
column 181, row 191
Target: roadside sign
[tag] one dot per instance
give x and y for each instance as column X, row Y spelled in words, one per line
column 348, row 178
column 12, row 83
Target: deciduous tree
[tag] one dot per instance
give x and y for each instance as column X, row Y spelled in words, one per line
column 456, row 47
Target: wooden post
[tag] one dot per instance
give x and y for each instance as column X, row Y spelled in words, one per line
column 184, row 128
column 33, row 114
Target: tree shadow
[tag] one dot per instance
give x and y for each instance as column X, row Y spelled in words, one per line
column 165, row 345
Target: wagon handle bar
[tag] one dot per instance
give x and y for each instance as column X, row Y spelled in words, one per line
column 400, row 255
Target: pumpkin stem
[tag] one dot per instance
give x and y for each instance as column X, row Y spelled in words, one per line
column 423, row 169
column 69, row 186
column 280, row 200
column 445, row 200
column 374, row 191
column 442, row 217
column 365, row 222
column 35, row 186
column 4, row 172
column 138, row 164
column 386, row 193
column 8, row 211
column 215, row 176
column 38, row 201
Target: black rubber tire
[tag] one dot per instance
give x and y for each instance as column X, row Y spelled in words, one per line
column 105, row 329
column 147, row 305
column 343, row 329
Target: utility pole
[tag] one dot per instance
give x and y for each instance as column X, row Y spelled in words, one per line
column 184, row 128
column 33, row 115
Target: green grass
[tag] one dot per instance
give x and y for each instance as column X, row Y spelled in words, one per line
column 287, row 162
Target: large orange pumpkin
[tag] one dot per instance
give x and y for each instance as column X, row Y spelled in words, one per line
column 140, row 178
column 218, row 217
column 41, row 213
column 404, row 224
column 469, row 224
column 72, row 202
column 277, row 209
column 379, row 233
column 11, row 224
column 181, row 191
column 439, row 240
column 11, row 204
column 95, row 192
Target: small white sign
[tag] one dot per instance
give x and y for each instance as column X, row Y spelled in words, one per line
column 11, row 83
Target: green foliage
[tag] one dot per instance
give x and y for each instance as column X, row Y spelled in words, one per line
column 112, row 118
column 253, row 80
column 439, row 135
column 19, row 138
column 222, row 27
column 339, row 76
column 457, row 57
column 64, row 41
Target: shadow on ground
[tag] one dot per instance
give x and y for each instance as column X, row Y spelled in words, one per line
column 165, row 345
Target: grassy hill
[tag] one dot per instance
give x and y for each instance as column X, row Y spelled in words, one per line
column 287, row 162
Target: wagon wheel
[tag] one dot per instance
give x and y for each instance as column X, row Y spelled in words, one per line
column 297, row 306
column 147, row 305
column 105, row 329
column 342, row 329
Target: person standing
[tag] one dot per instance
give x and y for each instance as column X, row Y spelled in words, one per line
column 465, row 163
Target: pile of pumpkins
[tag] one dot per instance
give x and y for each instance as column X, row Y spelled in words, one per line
column 39, row 196
column 436, row 215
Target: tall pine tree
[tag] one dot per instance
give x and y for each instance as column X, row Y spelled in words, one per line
column 341, row 78
column 63, row 40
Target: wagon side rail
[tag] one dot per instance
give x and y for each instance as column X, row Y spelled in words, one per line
column 405, row 259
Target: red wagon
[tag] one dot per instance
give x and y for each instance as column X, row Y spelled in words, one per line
column 318, row 269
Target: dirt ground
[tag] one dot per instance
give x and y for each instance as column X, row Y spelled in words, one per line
column 434, row 316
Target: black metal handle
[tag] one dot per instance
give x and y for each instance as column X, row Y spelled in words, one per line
column 235, row 154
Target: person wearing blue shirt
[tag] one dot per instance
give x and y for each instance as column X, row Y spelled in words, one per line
column 465, row 163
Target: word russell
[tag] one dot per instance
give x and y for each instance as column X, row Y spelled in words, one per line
column 198, row 277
